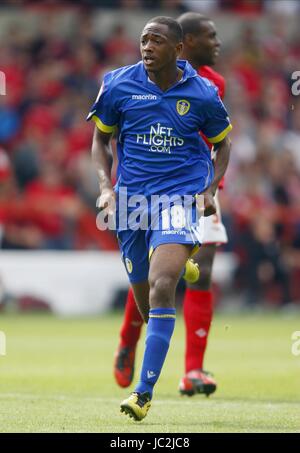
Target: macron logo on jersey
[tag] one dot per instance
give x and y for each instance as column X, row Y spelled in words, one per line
column 150, row 374
column 143, row 97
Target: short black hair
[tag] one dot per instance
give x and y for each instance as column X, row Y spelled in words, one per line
column 172, row 24
column 191, row 22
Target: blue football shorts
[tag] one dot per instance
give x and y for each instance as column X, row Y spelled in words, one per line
column 172, row 225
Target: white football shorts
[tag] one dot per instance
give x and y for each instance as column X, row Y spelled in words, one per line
column 212, row 229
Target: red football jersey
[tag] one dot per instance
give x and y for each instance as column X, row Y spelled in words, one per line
column 214, row 77
column 219, row 82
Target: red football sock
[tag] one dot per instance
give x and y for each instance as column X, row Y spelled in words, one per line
column 198, row 312
column 132, row 322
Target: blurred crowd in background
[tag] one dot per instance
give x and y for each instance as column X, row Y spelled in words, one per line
column 48, row 186
column 239, row 6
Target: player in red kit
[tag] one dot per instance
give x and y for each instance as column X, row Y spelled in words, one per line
column 201, row 49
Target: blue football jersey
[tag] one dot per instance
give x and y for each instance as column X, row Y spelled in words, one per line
column 159, row 147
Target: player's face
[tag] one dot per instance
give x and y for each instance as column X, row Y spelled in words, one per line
column 158, row 49
column 207, row 44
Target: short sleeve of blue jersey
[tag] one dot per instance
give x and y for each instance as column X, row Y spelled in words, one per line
column 105, row 111
column 216, row 123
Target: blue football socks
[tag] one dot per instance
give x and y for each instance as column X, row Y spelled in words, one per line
column 159, row 332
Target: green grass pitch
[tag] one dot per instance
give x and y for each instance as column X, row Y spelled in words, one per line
column 57, row 377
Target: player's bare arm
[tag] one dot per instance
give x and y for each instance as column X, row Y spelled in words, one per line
column 101, row 157
column 220, row 164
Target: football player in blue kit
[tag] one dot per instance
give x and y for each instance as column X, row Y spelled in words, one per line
column 158, row 106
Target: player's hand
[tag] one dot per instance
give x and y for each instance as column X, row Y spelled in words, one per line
column 210, row 207
column 107, row 201
column 206, row 204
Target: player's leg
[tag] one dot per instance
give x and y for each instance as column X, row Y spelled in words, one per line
column 131, row 330
column 141, row 294
column 129, row 335
column 198, row 308
column 198, row 312
column 133, row 320
column 166, row 266
column 136, row 261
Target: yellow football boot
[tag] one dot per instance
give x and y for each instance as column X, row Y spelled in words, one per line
column 191, row 272
column 137, row 405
